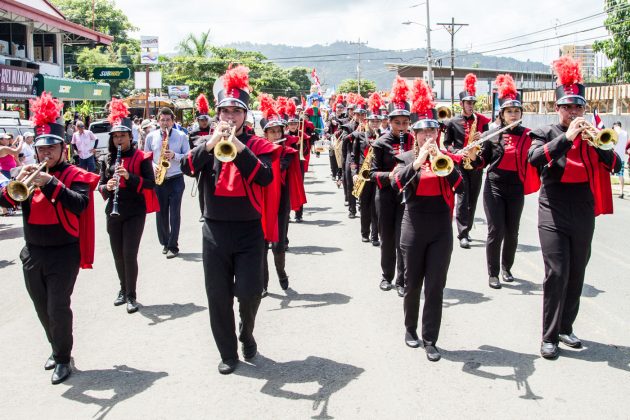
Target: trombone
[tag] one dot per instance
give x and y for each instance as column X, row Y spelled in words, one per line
column 225, row 150
column 21, row 190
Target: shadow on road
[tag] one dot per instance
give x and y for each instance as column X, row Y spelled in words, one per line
column 329, row 375
column 527, row 248
column 591, row 291
column 123, row 382
column 190, row 256
column 314, row 181
column 316, row 209
column 6, row 263
column 492, row 357
column 526, row 287
column 321, row 223
column 313, row 250
column 617, row 357
column 316, row 300
column 454, row 297
column 321, row 192
column 162, row 313
column 10, row 232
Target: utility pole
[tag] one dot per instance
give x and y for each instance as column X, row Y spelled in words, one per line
column 452, row 28
column 429, row 58
column 359, row 64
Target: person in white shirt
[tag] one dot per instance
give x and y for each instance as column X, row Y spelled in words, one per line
column 135, row 130
column 85, row 142
column 27, row 148
column 620, row 148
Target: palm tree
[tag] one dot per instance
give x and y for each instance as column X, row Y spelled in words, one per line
column 198, row 47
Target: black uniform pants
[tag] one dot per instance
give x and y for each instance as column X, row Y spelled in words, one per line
column 566, row 230
column 279, row 248
column 233, row 267
column 334, row 168
column 168, row 219
column 352, row 200
column 426, row 243
column 125, row 233
column 50, row 274
column 369, row 220
column 390, row 212
column 503, row 204
column 300, row 212
column 467, row 201
column 200, row 178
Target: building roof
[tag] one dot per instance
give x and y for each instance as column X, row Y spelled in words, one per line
column 402, row 68
column 74, row 33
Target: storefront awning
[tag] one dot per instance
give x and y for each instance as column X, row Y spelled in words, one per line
column 73, row 90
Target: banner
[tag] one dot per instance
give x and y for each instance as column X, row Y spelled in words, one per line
column 155, row 80
column 17, row 82
column 178, row 92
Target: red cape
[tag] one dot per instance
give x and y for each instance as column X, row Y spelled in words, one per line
column 297, row 195
column 270, row 194
column 598, row 178
column 526, row 172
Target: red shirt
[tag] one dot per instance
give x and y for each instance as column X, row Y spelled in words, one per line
column 508, row 161
column 574, row 170
column 429, row 183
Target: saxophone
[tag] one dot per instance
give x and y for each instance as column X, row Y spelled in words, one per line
column 364, row 173
column 163, row 164
column 471, row 134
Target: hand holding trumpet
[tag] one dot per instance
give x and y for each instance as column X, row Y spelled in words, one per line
column 39, row 180
column 221, row 131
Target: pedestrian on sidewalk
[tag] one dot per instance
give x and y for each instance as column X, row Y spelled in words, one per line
column 620, row 148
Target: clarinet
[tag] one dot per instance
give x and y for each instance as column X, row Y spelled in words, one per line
column 114, row 212
column 402, row 142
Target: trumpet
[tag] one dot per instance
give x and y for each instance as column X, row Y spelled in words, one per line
column 21, row 190
column 605, row 139
column 441, row 164
column 444, row 113
column 225, row 150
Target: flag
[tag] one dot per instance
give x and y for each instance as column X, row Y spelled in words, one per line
column 316, row 79
column 598, row 121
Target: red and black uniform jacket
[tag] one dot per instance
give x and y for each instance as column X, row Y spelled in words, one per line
column 194, row 135
column 424, row 192
column 386, row 148
column 248, row 188
column 347, row 140
column 457, row 132
column 561, row 162
column 136, row 195
column 360, row 148
column 513, row 168
column 61, row 212
column 335, row 123
column 306, row 150
column 291, row 176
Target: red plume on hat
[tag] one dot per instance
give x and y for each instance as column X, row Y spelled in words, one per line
column 338, row 100
column 421, row 98
column 45, row 109
column 291, row 108
column 506, row 87
column 469, row 84
column 202, row 105
column 351, row 98
column 236, row 78
column 267, row 106
column 568, row 70
column 360, row 100
column 281, row 105
column 375, row 102
column 400, row 92
column 117, row 111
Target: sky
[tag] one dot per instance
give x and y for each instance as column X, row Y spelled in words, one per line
column 498, row 27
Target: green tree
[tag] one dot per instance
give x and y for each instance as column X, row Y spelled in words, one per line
column 617, row 48
column 196, row 46
column 351, row 85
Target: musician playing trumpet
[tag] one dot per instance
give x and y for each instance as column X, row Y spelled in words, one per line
column 575, row 189
column 238, row 193
column 509, row 178
column 426, row 238
column 58, row 231
column 129, row 182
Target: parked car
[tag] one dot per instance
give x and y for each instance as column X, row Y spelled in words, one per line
column 100, row 128
column 10, row 122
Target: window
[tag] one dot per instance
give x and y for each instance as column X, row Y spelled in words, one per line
column 13, row 39
column 45, row 47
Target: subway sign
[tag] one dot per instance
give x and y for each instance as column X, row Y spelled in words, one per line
column 104, row 73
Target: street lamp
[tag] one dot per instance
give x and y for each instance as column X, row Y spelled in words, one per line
column 428, row 28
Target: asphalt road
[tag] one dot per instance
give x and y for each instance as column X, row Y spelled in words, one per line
column 332, row 345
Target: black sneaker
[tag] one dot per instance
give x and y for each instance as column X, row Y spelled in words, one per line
column 132, row 305
column 227, row 366
column 385, row 285
column 121, row 299
column 164, row 250
column 365, row 239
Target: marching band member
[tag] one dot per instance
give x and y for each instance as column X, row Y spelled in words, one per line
column 384, row 119
column 203, row 129
column 349, row 136
column 426, row 237
column 127, row 183
column 292, row 195
column 575, row 189
column 58, row 230
column 297, row 127
column 170, row 192
column 460, row 131
column 361, row 147
column 509, row 178
column 334, row 125
column 389, row 206
column 241, row 212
